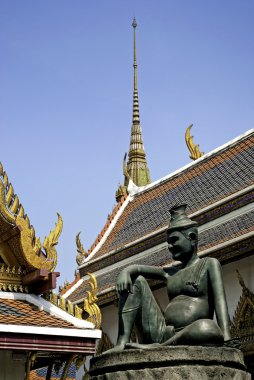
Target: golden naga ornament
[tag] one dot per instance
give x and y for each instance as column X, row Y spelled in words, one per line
column 90, row 305
column 194, row 149
column 32, row 247
column 82, row 254
column 37, row 255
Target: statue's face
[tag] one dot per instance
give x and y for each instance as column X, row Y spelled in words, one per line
column 180, row 246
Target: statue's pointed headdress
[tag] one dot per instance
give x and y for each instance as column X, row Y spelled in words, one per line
column 179, row 219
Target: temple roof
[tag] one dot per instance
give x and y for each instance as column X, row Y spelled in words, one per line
column 209, row 180
column 17, row 312
column 34, row 311
column 219, row 191
column 26, row 264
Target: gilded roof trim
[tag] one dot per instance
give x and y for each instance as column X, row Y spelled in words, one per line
column 12, row 212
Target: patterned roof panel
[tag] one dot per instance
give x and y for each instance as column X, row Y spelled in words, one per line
column 206, row 182
column 226, row 231
column 17, row 312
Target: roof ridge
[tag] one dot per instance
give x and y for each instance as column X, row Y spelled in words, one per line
column 70, row 285
column 141, row 189
column 110, row 218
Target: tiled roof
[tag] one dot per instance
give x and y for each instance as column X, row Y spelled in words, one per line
column 108, row 222
column 207, row 181
column 210, row 237
column 228, row 230
column 19, row 312
column 108, row 278
column 70, row 285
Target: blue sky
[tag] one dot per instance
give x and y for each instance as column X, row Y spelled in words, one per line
column 66, row 98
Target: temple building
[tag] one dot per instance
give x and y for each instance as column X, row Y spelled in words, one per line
column 219, row 190
column 42, row 336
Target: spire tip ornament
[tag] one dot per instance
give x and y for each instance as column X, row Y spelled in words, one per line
column 134, row 23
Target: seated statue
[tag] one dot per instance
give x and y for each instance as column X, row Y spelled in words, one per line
column 195, row 293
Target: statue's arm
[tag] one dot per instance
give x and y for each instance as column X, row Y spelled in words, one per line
column 220, row 303
column 127, row 275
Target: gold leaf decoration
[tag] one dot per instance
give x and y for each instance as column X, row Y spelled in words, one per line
column 32, row 246
column 82, row 254
column 90, row 305
column 70, row 307
column 6, row 213
column 51, row 241
column 125, row 170
column 13, row 212
column 62, row 303
column 54, row 298
column 194, row 149
column 78, row 312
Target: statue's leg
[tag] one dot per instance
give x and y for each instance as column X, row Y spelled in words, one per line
column 203, row 332
column 141, row 308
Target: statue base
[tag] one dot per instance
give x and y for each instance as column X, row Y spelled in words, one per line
column 174, row 363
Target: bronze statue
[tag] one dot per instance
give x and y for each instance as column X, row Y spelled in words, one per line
column 195, row 293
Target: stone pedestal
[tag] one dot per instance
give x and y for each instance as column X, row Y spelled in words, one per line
column 171, row 363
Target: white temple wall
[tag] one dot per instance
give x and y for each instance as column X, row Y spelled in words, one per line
column 12, row 366
column 110, row 322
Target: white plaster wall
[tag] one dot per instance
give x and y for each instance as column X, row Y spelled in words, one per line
column 110, row 322
column 11, row 369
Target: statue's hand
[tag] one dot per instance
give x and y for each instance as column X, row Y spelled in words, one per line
column 124, row 283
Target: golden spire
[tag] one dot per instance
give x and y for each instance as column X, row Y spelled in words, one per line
column 137, row 166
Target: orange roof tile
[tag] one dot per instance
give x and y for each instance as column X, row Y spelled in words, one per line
column 19, row 312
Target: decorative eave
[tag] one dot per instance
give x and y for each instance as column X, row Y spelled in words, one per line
column 29, row 338
column 19, row 245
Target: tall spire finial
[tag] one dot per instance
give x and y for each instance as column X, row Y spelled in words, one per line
column 137, row 166
column 134, row 24
column 135, row 94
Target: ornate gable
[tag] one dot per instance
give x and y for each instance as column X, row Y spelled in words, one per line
column 243, row 321
column 24, row 260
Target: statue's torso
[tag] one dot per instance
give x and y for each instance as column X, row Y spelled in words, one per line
column 188, row 292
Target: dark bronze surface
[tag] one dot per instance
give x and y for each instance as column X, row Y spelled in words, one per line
column 195, row 293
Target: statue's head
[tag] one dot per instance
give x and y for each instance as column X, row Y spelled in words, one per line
column 182, row 234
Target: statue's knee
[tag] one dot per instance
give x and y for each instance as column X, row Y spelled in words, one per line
column 141, row 283
column 210, row 330
column 140, row 279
